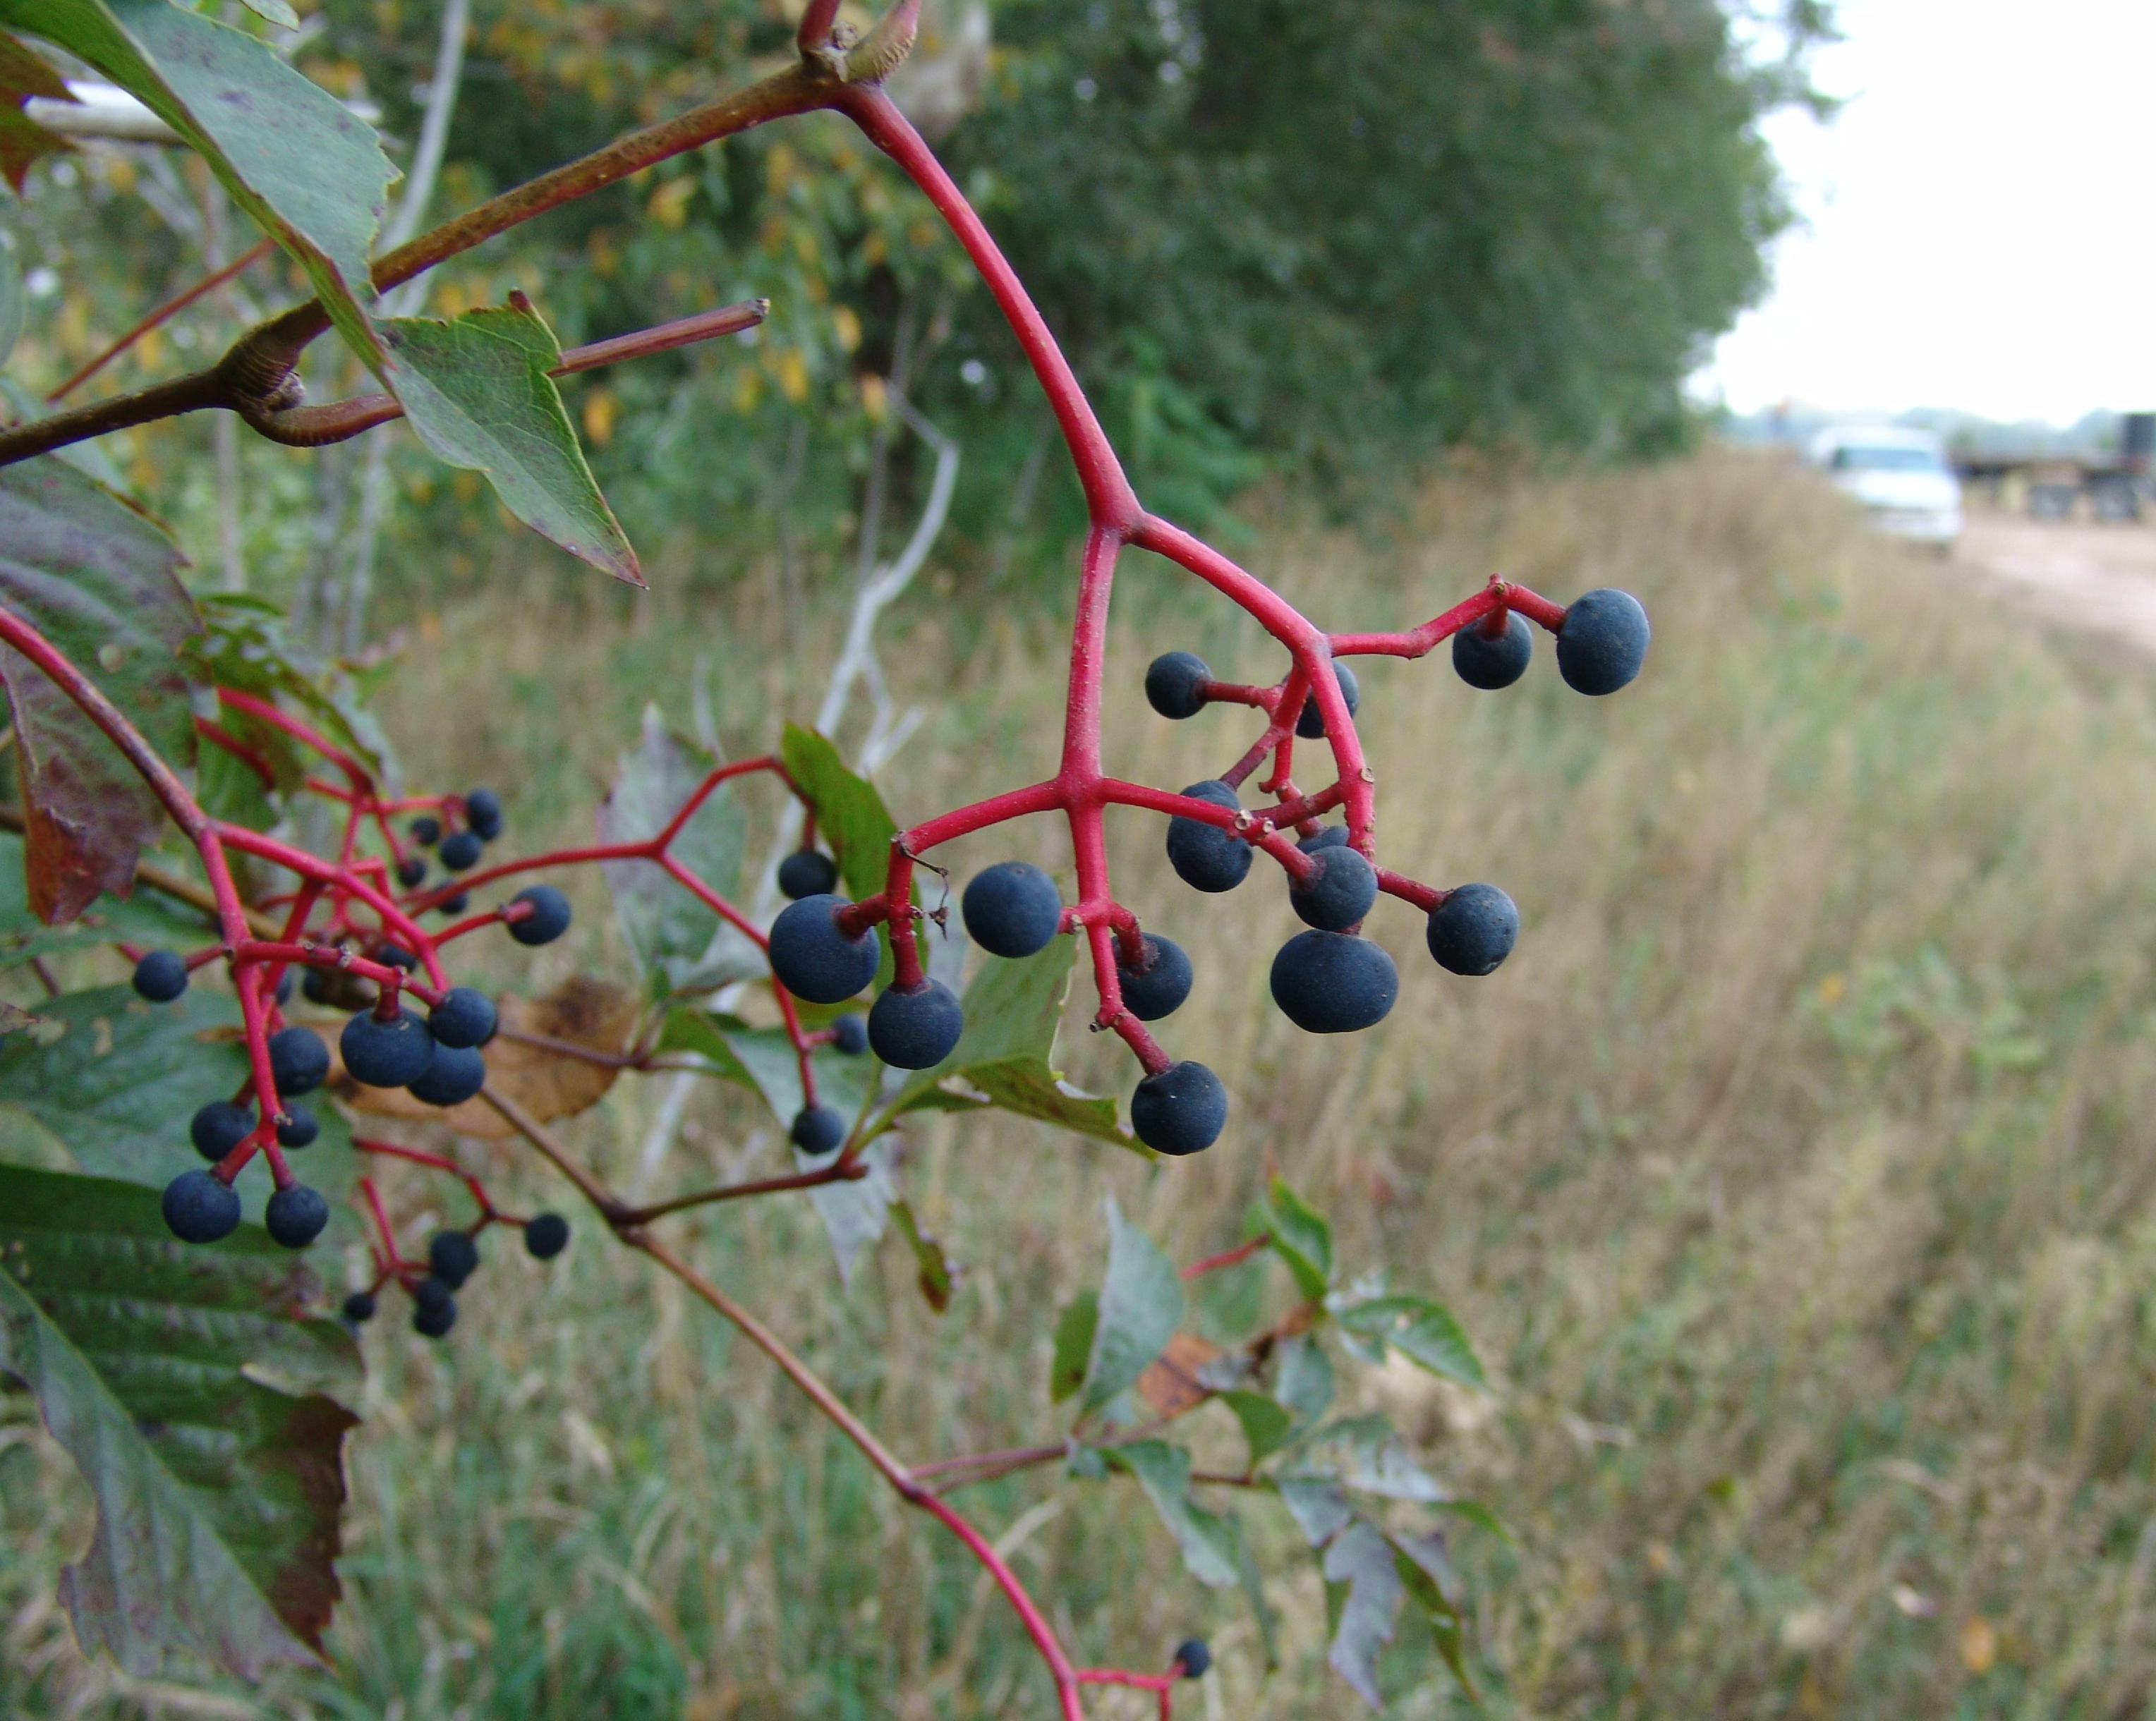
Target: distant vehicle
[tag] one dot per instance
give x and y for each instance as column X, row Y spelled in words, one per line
column 1903, row 478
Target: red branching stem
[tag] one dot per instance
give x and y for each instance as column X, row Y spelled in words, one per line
column 1228, row 1257
column 1425, row 897
column 1417, row 641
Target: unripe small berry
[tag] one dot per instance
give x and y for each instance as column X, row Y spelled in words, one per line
column 546, row 1234
column 161, row 975
column 1339, row 892
column 426, row 830
column 1012, row 910
column 386, row 1054
column 460, row 850
column 1333, row 983
column 1602, row 642
column 915, row 1028
column 483, row 813
column 813, row 957
column 1488, row 663
column 299, row 1061
column 465, row 1017
column 453, row 1075
column 1311, row 724
column 452, row 1257
column 806, row 872
column 218, row 1128
column 298, row 1127
column 1205, row 857
column 1161, row 981
column 549, row 918
column 1180, row 1111
column 849, row 1034
column 295, row 1215
column 818, row 1130
column 359, row 1308
column 1473, row 930
column 1175, row 684
column 199, row 1209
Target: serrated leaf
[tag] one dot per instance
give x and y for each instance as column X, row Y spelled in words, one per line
column 146, row 918
column 1363, row 1592
column 762, row 1059
column 1423, row 1331
column 933, row 1267
column 1266, row 1423
column 854, row 1212
column 1301, row 1238
column 101, row 582
column 479, row 395
column 229, row 788
column 850, row 816
column 309, row 171
column 243, row 647
column 1367, row 1455
column 1141, row 1307
column 1208, row 1541
column 673, row 936
column 1318, row 1504
column 1074, row 1344
column 275, row 12
column 219, row 1495
column 1425, row 1568
column 23, row 141
column 1302, row 1379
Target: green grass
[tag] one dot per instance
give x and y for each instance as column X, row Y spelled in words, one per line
column 1795, row 1177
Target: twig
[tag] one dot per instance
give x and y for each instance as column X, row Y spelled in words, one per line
column 163, row 313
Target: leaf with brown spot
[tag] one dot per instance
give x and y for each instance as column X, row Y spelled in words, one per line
column 1170, row 1383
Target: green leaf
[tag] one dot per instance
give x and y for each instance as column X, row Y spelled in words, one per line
column 1266, row 1424
column 1425, row 1568
column 1254, row 1592
column 1421, row 1330
column 1480, row 1515
column 11, row 302
column 23, row 141
column 101, row 582
column 1141, row 1307
column 479, row 396
column 194, row 1396
column 682, row 945
column 850, row 816
column 1301, row 1238
column 854, row 1212
column 275, row 12
column 1209, row 1542
column 931, row 1266
column 309, row 171
column 1302, row 1379
column 244, row 648
column 1318, row 1504
column 1074, row 1344
column 1003, row 1058
column 230, row 788
column 1363, row 1593
column 762, row 1059
column 146, row 918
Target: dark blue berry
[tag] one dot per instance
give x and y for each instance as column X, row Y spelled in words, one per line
column 297, row 1127
column 432, row 1293
column 1193, row 1658
column 412, row 871
column 453, row 1075
column 1205, row 857
column 432, row 1320
column 452, row 1257
column 198, row 1209
column 386, row 1054
column 1339, row 891
column 1158, row 986
column 359, row 1308
column 483, row 813
column 325, row 985
column 546, row 1234
column 295, row 1215
column 806, row 872
column 915, row 1028
column 1473, row 930
column 161, row 975
column 284, row 988
column 549, row 918
column 426, row 831
column 1328, row 836
column 451, row 906
column 393, row 955
column 465, row 1017
column 1333, row 983
column 218, row 1128
column 814, row 958
column 1012, row 910
column 1488, row 663
column 818, row 1130
column 1175, row 684
column 1602, row 641
column 1311, row 724
column 849, row 1034
column 461, row 849
column 299, row 1061
column 1181, row 1110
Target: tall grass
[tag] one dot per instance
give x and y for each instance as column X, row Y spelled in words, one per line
column 1795, row 1176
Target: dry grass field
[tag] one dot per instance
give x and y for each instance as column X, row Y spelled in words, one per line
column 1797, row 1178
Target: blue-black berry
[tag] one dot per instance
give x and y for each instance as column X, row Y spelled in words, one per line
column 450, row 906
column 818, row 1130
column 1333, row 983
column 295, row 1215
column 218, row 1128
column 849, row 1034
column 433, row 1319
column 412, row 871
column 161, row 975
column 426, row 830
column 1311, row 724
column 465, row 1017
column 198, row 1209
column 915, row 1028
column 1488, row 663
column 1161, row 981
column 297, row 1127
column 431, row 1293
column 1339, row 892
column 359, row 1308
column 386, row 1054
column 1193, row 1658
column 1205, row 857
column 299, row 1061
column 546, row 1234
column 806, row 872
column 395, row 955
column 549, row 918
column 1012, row 909
column 452, row 1257
column 460, row 850
column 483, row 813
column 1326, row 837
column 1175, row 684
column 1473, row 930
column 1181, row 1110
column 1602, row 642
column 814, row 958
column 453, row 1075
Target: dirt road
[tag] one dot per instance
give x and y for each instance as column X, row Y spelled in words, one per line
column 2101, row 577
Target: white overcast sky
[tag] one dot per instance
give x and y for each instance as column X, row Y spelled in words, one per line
column 1980, row 217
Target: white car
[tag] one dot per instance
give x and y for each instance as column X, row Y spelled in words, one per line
column 1903, row 477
